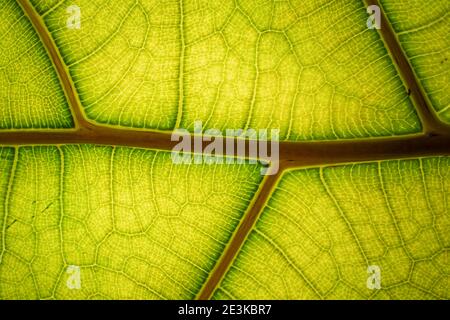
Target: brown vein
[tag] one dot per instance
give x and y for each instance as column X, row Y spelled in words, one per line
column 60, row 67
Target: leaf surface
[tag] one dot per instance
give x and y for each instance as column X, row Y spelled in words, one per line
column 363, row 168
column 423, row 31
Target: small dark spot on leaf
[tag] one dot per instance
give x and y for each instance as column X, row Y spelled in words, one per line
column 14, row 221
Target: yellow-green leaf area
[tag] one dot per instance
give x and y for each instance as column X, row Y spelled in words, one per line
column 136, row 225
column 423, row 30
column 323, row 227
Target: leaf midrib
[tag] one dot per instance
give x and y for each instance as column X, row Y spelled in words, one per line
column 434, row 139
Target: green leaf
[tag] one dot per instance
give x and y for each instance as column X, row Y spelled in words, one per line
column 312, row 70
column 129, row 218
column 92, row 205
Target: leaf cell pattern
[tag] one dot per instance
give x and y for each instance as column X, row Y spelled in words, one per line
column 30, row 93
column 311, row 69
